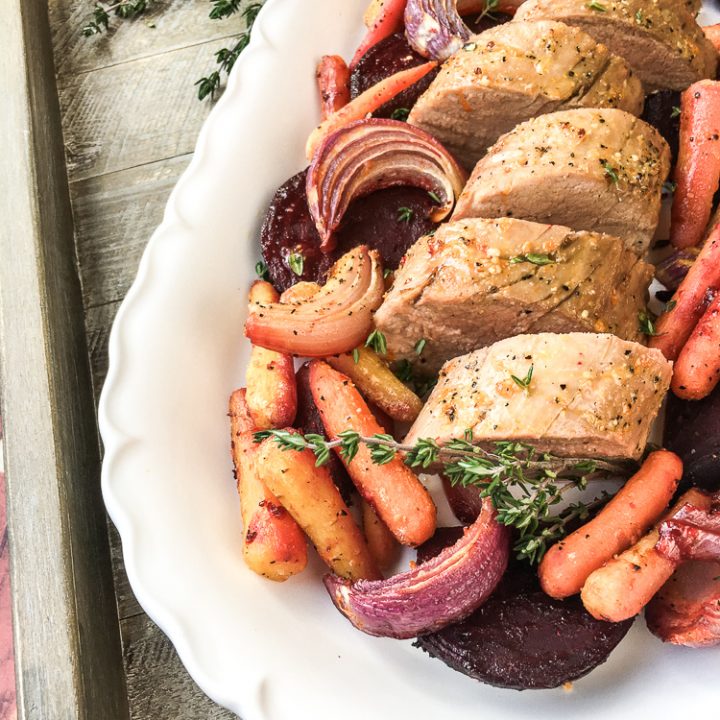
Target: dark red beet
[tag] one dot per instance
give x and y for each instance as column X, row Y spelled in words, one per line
column 658, row 112
column 465, row 502
column 692, row 430
column 373, row 220
column 307, row 420
column 388, row 57
column 521, row 638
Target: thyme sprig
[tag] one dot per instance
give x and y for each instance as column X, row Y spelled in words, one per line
column 524, row 485
column 125, row 10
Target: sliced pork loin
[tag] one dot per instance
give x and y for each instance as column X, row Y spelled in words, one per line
column 589, row 169
column 476, row 281
column 516, row 71
column 660, row 39
column 590, row 395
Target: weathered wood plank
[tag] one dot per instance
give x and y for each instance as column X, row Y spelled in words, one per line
column 135, row 113
column 115, row 215
column 170, row 25
column 8, row 705
column 159, row 686
column 67, row 639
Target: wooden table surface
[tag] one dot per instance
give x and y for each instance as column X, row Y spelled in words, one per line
column 130, row 121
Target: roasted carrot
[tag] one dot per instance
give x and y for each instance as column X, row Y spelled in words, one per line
column 393, row 490
column 386, row 17
column 273, row 544
column 697, row 370
column 270, row 376
column 690, row 300
column 382, row 544
column 366, row 103
column 333, row 79
column 697, row 172
column 712, row 33
column 310, row 496
column 636, row 507
column 624, row 585
column 378, row 384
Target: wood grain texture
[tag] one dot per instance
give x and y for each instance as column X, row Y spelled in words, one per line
column 177, row 24
column 115, row 215
column 65, row 620
column 132, row 114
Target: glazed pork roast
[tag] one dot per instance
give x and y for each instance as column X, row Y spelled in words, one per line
column 590, row 395
column 477, row 281
column 589, row 169
column 660, row 39
column 516, row 71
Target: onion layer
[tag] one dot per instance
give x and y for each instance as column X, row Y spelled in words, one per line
column 693, row 532
column 335, row 319
column 372, row 154
column 434, row 28
column 439, row 592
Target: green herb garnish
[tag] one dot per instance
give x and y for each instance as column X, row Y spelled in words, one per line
column 646, row 324
column 534, row 258
column 524, row 383
column 296, row 262
column 595, row 5
column 420, row 346
column 376, row 340
column 400, row 114
column 611, row 172
column 405, row 214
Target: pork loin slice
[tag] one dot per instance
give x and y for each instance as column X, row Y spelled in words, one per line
column 590, row 395
column 478, row 281
column 599, row 170
column 660, row 39
column 516, row 71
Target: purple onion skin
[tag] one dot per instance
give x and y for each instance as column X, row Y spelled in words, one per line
column 447, row 38
column 439, row 592
column 692, row 533
column 672, row 271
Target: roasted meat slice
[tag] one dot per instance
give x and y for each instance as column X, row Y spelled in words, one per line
column 589, row 169
column 588, row 395
column 516, row 71
column 478, row 281
column 659, row 39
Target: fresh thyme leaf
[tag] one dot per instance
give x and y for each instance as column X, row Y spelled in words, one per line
column 670, row 305
column 376, row 340
column 386, row 273
column 296, row 262
column 400, row 113
column 669, row 187
column 522, row 484
column 403, row 371
column 420, row 346
column 534, row 258
column 639, row 17
column 611, row 172
column 675, row 111
column 434, row 196
column 646, row 323
column 524, row 383
column 490, row 7
column 261, row 270
column 405, row 214
column 356, row 355
column 595, row 5
column 469, row 47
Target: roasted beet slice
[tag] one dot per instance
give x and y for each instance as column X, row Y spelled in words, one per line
column 378, row 220
column 692, row 430
column 388, row 57
column 307, row 420
column 659, row 113
column 521, row 638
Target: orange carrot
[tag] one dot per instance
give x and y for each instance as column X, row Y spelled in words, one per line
column 383, row 546
column 333, row 79
column 270, row 376
column 637, row 506
column 393, row 490
column 697, row 172
column 697, row 370
column 273, row 544
column 690, row 299
column 387, row 18
column 712, row 33
column 366, row 103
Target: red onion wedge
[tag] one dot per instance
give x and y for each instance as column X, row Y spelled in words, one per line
column 335, row 319
column 692, row 533
column 439, row 592
column 372, row 154
column 434, row 28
